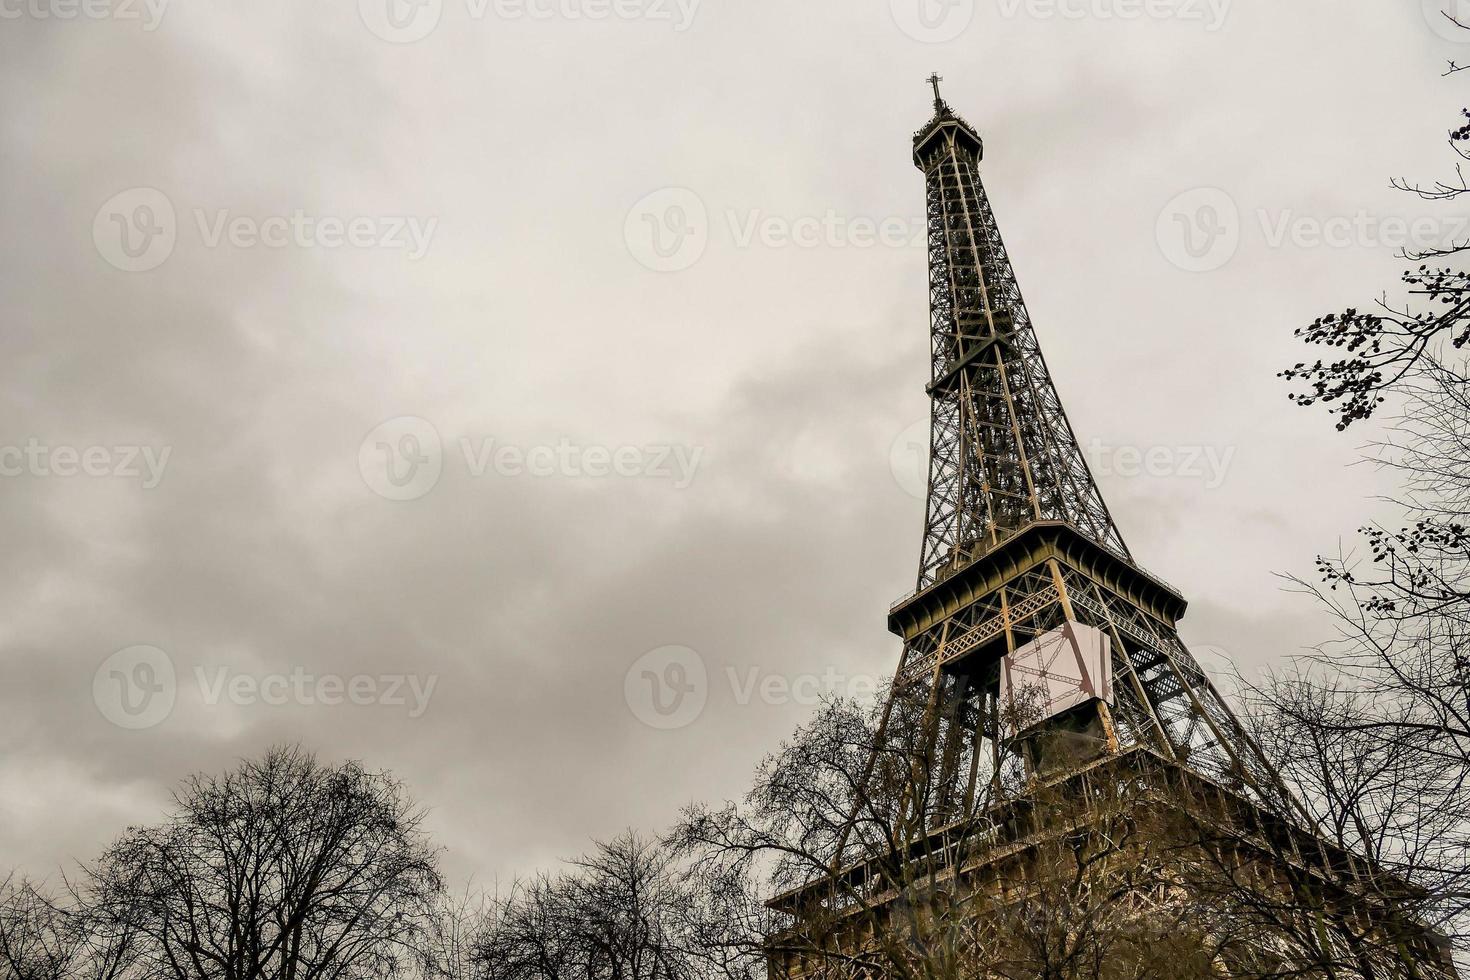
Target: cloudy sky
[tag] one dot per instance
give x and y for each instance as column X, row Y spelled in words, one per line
column 404, row 380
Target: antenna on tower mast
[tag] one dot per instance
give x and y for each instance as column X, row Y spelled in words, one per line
column 934, row 81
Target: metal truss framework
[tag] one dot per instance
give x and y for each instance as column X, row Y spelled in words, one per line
column 1017, row 542
column 1002, row 453
column 1017, row 537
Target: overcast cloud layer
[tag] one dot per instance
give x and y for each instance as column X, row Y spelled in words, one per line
column 649, row 272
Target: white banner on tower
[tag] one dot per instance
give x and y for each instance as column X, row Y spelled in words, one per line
column 1060, row 669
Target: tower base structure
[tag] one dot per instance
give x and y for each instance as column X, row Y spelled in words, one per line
column 1128, row 866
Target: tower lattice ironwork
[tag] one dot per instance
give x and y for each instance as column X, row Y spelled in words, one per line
column 1017, row 537
column 1038, row 658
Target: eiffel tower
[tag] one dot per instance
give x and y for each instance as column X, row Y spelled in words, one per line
column 1035, row 647
column 1018, row 541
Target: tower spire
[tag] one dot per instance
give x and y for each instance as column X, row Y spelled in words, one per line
column 939, row 103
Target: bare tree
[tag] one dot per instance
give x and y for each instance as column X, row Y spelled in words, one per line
column 59, row 936
column 1374, row 727
column 37, row 939
column 618, row 913
column 1398, row 342
column 1383, row 824
column 452, row 940
column 282, row 868
column 1378, row 349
